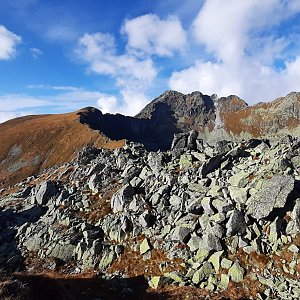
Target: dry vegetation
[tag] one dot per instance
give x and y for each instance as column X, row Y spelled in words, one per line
column 257, row 119
column 43, row 141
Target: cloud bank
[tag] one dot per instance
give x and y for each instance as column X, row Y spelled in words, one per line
column 134, row 70
column 246, row 45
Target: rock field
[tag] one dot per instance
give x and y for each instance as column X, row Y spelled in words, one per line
column 202, row 215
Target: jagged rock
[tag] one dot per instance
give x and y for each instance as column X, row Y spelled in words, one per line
column 64, row 252
column 293, row 248
column 239, row 180
column 175, row 277
column 201, row 255
column 146, row 219
column 179, row 141
column 206, row 204
column 274, row 230
column 155, row 282
column 203, row 272
column 224, row 282
column 23, row 193
column 239, row 195
column 211, row 165
column 232, row 209
column 210, row 242
column 106, row 260
column 236, row 223
column 175, row 200
column 32, row 212
column 194, row 243
column 181, row 234
column 222, row 205
column 44, row 192
column 273, row 195
column 156, row 161
column 186, row 161
column 236, row 272
column 94, row 182
column 293, row 226
column 185, row 141
column 215, row 260
column 145, row 246
column 192, row 140
column 226, row 263
column 121, row 198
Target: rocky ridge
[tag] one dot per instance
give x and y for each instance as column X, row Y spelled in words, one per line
column 33, row 143
column 216, row 217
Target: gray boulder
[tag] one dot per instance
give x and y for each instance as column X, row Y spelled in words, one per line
column 156, row 161
column 273, row 195
column 44, row 192
column 64, row 252
column 181, row 234
column 236, row 223
column 94, row 182
column 121, row 198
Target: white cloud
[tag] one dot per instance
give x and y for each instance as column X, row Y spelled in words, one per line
column 131, row 74
column 148, row 34
column 294, row 5
column 133, row 70
column 35, row 52
column 52, row 87
column 108, row 104
column 227, row 28
column 240, row 36
column 253, row 82
column 134, row 101
column 8, row 43
column 99, row 50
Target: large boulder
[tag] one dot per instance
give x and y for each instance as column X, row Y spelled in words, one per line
column 273, row 195
column 121, row 198
column 236, row 223
column 44, row 192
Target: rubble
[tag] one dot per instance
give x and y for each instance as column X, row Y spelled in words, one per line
column 217, row 211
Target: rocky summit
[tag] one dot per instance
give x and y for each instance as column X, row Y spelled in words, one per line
column 202, row 220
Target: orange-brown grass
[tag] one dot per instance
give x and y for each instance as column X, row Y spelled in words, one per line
column 256, row 118
column 256, row 263
column 100, row 204
column 296, row 240
column 99, row 209
column 55, row 139
column 133, row 264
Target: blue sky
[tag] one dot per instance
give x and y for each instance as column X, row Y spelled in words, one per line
column 117, row 55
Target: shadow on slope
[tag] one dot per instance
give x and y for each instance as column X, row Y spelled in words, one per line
column 155, row 133
column 76, row 288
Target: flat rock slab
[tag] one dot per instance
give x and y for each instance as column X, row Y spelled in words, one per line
column 273, row 195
